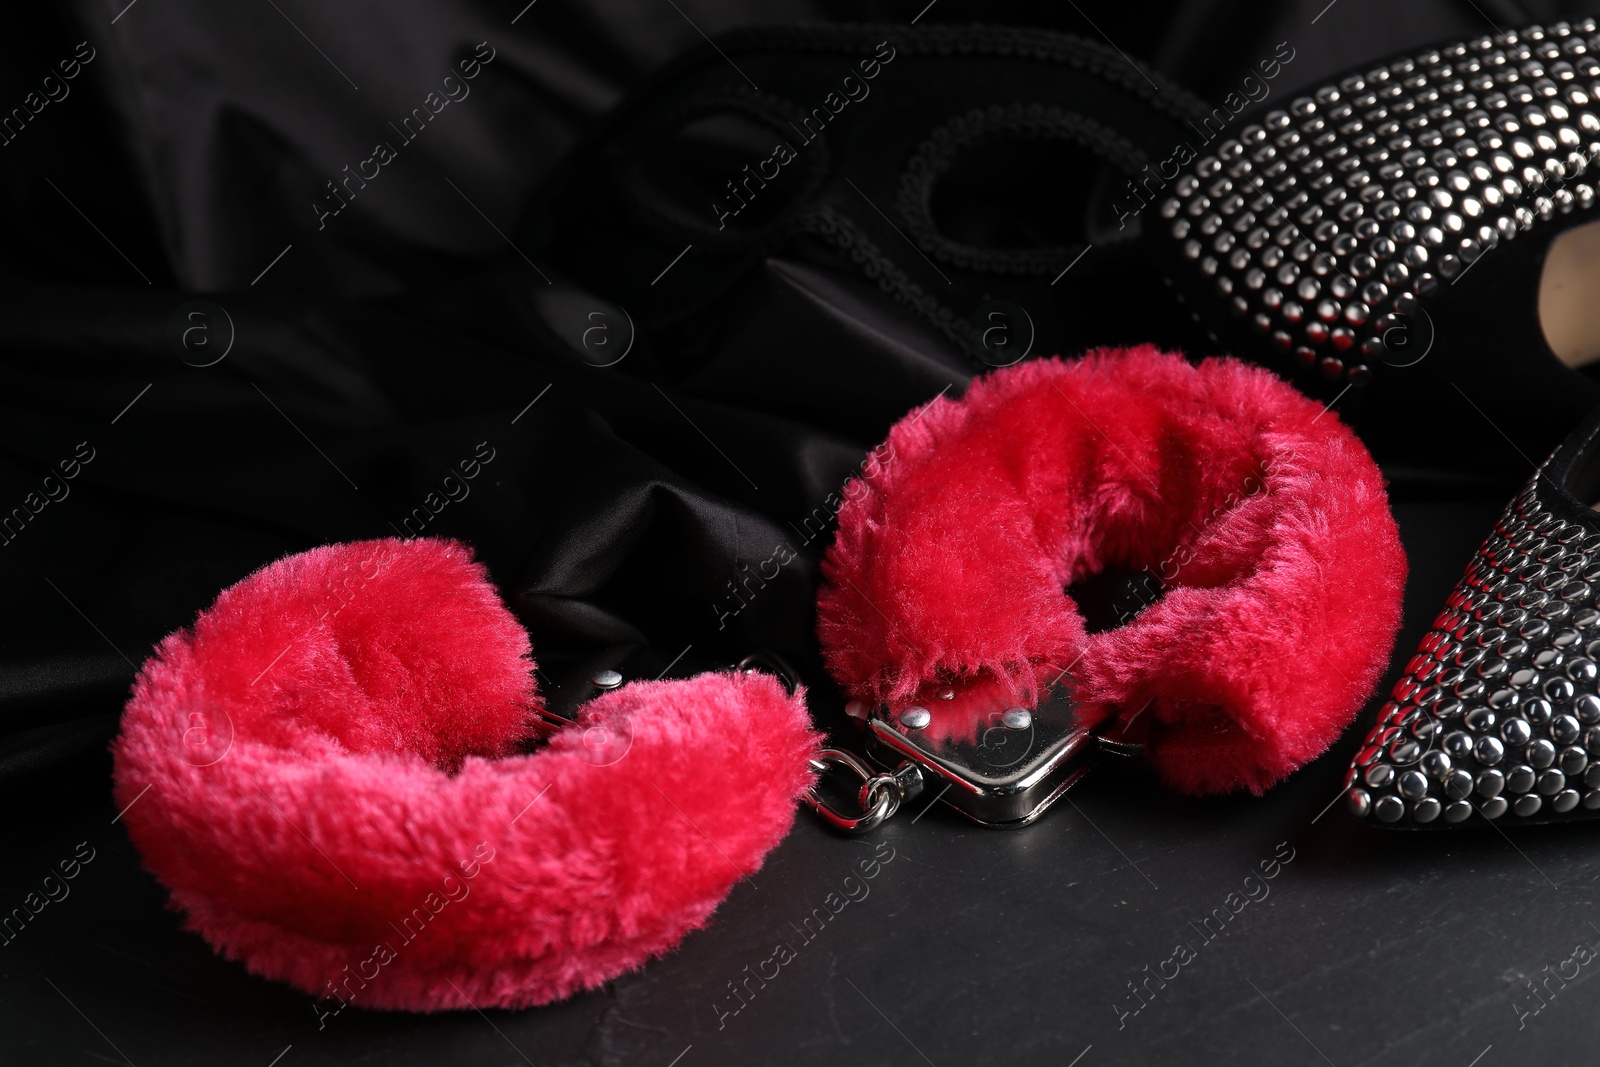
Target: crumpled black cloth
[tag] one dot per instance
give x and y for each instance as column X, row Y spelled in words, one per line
column 372, row 351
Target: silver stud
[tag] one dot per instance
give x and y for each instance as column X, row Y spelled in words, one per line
column 607, row 679
column 1551, row 782
column 915, row 717
column 1017, row 719
column 1564, row 729
column 1413, row 785
column 1359, row 802
column 1573, row 760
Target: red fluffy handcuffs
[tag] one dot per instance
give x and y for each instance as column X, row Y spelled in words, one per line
column 326, row 770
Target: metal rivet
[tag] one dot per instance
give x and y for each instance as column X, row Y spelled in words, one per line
column 1017, row 718
column 1516, row 731
column 1564, row 729
column 1389, row 809
column 915, row 718
column 607, row 679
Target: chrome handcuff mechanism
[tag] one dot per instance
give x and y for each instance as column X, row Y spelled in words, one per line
column 998, row 764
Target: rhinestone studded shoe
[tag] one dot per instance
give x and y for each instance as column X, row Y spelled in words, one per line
column 1497, row 716
column 1390, row 227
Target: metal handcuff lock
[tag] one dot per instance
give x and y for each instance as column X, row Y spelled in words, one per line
column 997, row 763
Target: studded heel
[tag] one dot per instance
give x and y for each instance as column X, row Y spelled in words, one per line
column 1497, row 717
column 1383, row 236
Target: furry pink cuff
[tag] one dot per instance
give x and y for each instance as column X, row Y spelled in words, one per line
column 1263, row 516
column 325, row 774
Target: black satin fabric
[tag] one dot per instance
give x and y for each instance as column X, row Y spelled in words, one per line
column 430, row 323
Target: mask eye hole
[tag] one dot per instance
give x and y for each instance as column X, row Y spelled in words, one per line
column 1019, row 189
column 1014, row 192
